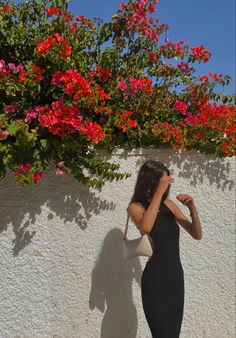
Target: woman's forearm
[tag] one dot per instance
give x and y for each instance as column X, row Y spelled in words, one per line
column 151, row 212
column 196, row 223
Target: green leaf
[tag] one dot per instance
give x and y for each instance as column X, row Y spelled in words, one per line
column 13, row 128
column 44, row 144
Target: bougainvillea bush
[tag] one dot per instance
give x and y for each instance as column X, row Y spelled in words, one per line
column 72, row 85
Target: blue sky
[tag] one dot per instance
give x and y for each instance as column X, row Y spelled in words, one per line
column 207, row 22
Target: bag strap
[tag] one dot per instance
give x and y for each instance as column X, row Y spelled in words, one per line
column 127, row 222
column 126, row 226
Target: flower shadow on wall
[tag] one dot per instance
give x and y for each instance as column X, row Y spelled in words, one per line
column 26, row 208
column 192, row 165
column 20, row 207
column 111, row 289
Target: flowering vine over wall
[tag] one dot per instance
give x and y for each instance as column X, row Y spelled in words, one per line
column 70, row 86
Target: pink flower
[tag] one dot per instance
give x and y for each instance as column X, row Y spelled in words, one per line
column 59, row 172
column 60, row 164
column 15, row 69
column 122, row 85
column 3, row 68
column 180, row 106
column 23, row 167
column 3, row 134
column 11, row 66
column 32, row 113
column 148, row 32
column 12, row 108
column 2, row 65
column 101, row 120
column 19, row 68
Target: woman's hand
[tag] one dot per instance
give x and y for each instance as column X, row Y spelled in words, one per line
column 186, row 200
column 164, row 183
column 194, row 227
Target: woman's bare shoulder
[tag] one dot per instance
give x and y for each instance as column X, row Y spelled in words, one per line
column 135, row 205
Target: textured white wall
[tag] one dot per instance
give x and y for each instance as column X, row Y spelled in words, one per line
column 61, row 271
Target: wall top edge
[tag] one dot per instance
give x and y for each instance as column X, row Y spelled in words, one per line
column 118, row 151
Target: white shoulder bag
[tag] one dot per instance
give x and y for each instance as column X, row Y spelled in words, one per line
column 140, row 246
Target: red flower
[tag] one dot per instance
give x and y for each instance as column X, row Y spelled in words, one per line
column 122, row 6
column 125, row 115
column 22, row 76
column 152, row 56
column 74, row 84
column 151, row 8
column 177, row 48
column 183, row 66
column 66, row 50
column 56, row 78
column 200, row 136
column 144, row 84
column 100, row 72
column 59, row 38
column 7, row 9
column 132, row 123
column 82, row 19
column 23, row 169
column 203, row 78
column 37, row 176
column 93, row 131
column 52, row 10
column 180, row 106
column 101, row 94
column 38, row 72
column 44, row 46
column 60, row 120
column 216, row 77
column 201, row 53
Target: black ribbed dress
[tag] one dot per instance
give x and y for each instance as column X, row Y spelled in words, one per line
column 162, row 283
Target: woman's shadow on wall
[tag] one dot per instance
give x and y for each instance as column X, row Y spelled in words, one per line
column 111, row 289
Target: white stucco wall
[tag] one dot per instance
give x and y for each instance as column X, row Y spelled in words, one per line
column 62, row 274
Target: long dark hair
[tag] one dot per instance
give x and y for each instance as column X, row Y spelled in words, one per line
column 148, row 179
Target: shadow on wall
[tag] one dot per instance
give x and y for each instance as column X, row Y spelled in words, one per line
column 20, row 207
column 192, row 165
column 111, row 290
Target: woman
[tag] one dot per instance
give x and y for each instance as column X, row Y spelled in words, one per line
column 162, row 283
